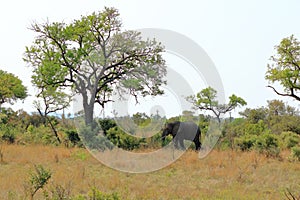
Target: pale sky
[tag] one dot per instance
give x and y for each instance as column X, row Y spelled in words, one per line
column 239, row 36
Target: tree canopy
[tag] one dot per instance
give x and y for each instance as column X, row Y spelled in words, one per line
column 94, row 58
column 11, row 88
column 206, row 99
column 285, row 68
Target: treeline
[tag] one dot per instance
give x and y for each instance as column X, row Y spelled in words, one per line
column 267, row 129
column 59, row 67
column 19, row 127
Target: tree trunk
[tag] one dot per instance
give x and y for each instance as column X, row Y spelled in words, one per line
column 46, row 119
column 88, row 97
column 88, row 112
column 88, row 115
column 54, row 130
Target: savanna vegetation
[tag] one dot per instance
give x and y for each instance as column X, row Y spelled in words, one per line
column 43, row 155
column 75, row 174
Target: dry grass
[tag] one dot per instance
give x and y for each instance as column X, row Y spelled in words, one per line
column 221, row 175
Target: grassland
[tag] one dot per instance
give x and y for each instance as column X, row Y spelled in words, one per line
column 221, row 175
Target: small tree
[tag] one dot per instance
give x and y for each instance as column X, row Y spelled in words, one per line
column 254, row 115
column 11, row 88
column 206, row 99
column 52, row 100
column 37, row 180
column 285, row 68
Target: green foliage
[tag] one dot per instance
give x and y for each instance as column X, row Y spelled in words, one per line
column 234, row 128
column 242, row 133
column 167, row 140
column 278, row 108
column 91, row 55
column 37, row 180
column 81, row 155
column 278, row 117
column 141, row 119
column 289, row 139
column 93, row 139
column 268, row 144
column 73, row 137
column 7, row 134
column 106, row 124
column 203, row 123
column 291, row 123
column 206, row 99
column 256, row 129
column 255, row 115
column 245, row 143
column 296, row 152
column 38, row 135
column 123, row 140
column 174, row 119
column 11, row 88
column 96, row 194
column 285, row 67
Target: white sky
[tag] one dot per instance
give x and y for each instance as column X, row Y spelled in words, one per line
column 239, row 36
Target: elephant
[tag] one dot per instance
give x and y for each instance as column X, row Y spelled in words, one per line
column 183, row 131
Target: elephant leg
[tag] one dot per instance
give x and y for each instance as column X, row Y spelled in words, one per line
column 176, row 142
column 197, row 140
column 197, row 145
column 181, row 144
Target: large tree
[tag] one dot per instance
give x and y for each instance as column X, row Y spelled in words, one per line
column 94, row 58
column 285, row 68
column 206, row 99
column 11, row 88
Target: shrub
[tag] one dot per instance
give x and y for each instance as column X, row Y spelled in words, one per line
column 38, row 135
column 94, row 140
column 8, row 135
column 267, row 144
column 73, row 137
column 106, row 124
column 296, row 152
column 256, row 129
column 167, row 140
column 58, row 192
column 245, row 143
column 37, row 180
column 123, row 140
column 289, row 139
column 96, row 194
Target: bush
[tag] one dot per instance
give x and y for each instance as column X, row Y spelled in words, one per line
column 37, row 180
column 289, row 139
column 267, row 144
column 245, row 143
column 58, row 192
column 73, row 137
column 38, row 135
column 96, row 194
column 8, row 135
column 296, row 152
column 256, row 129
column 107, row 124
column 123, row 140
column 93, row 139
